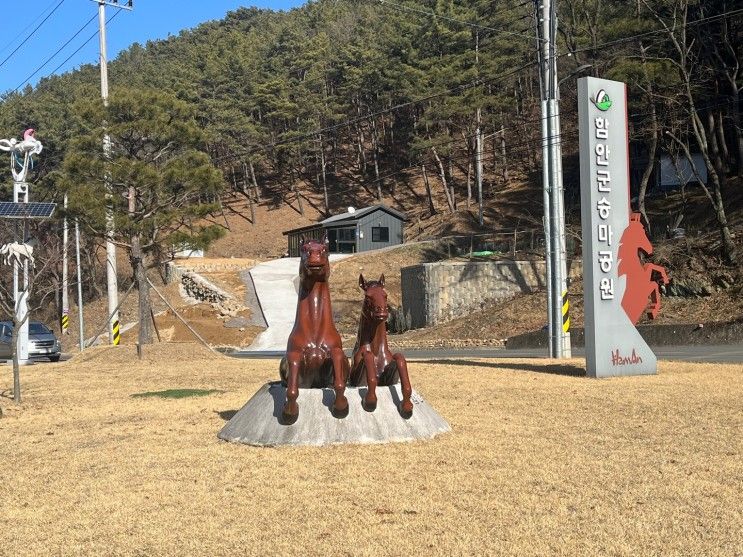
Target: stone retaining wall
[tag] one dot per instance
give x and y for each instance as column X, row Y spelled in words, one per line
column 200, row 289
column 434, row 293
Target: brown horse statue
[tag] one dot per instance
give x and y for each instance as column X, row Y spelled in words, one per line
column 640, row 283
column 373, row 362
column 314, row 355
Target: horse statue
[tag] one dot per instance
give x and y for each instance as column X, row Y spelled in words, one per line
column 15, row 251
column 314, row 354
column 373, row 362
column 21, row 153
column 640, row 283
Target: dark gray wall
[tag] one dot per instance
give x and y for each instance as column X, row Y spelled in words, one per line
column 293, row 239
column 379, row 218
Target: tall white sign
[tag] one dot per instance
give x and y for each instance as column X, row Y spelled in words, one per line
column 617, row 285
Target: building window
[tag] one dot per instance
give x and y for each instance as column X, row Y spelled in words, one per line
column 380, row 234
column 347, row 235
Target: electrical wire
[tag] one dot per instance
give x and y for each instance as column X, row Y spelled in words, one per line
column 365, row 117
column 653, row 32
column 109, row 20
column 24, row 41
column 27, row 27
column 403, row 8
column 50, row 58
column 436, row 95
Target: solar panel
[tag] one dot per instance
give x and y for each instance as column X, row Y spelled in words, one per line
column 33, row 210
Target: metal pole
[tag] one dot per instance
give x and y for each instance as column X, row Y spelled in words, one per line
column 547, row 227
column 79, row 287
column 478, row 141
column 112, row 287
column 65, row 320
column 20, row 289
column 478, row 167
column 554, row 211
column 543, row 33
column 562, row 251
column 560, row 301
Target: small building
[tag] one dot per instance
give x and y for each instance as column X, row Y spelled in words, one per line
column 354, row 231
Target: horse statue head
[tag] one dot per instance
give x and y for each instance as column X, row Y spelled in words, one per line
column 640, row 286
column 375, row 299
column 314, row 263
column 634, row 239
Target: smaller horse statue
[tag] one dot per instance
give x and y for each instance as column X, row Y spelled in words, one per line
column 640, row 283
column 314, row 354
column 373, row 362
column 15, row 251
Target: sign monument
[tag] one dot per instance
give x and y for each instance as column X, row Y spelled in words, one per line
column 617, row 284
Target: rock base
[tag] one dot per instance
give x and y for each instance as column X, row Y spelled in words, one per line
column 258, row 422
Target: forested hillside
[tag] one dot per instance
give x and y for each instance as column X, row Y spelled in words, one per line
column 348, row 100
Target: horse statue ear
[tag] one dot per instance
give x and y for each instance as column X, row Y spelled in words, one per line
column 362, row 282
column 381, row 279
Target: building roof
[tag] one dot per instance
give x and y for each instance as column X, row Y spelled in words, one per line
column 358, row 213
column 303, row 228
column 347, row 218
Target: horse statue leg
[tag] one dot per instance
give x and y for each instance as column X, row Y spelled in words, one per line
column 655, row 301
column 340, row 376
column 650, row 267
column 370, row 367
column 406, row 406
column 291, row 409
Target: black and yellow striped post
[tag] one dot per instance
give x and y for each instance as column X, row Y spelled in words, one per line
column 117, row 333
column 65, row 323
column 565, row 312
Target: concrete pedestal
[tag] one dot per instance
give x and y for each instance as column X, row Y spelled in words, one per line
column 258, row 422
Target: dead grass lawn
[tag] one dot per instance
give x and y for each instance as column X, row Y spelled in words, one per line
column 536, row 464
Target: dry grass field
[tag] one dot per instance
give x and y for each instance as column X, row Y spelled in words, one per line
column 540, row 461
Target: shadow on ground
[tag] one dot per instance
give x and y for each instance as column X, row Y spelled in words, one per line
column 227, row 415
column 571, row 370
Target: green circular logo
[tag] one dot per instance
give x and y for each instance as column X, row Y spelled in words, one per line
column 602, row 102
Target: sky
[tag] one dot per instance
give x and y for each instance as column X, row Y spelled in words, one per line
column 149, row 20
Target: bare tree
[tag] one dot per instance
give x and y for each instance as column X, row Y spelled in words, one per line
column 39, row 290
column 685, row 60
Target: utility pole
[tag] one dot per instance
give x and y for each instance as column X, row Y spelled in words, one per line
column 478, row 140
column 112, row 286
column 65, row 320
column 79, row 287
column 554, row 210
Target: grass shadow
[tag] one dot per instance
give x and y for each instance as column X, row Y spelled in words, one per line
column 570, row 370
column 177, row 393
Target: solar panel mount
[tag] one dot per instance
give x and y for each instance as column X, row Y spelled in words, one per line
column 32, row 210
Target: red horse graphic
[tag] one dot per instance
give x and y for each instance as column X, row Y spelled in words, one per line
column 640, row 283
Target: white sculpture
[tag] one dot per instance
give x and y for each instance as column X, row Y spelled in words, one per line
column 17, row 251
column 21, row 153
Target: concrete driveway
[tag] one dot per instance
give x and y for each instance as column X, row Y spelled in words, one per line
column 276, row 286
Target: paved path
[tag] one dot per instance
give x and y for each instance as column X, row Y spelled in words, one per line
column 276, row 283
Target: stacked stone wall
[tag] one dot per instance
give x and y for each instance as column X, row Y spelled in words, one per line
column 434, row 293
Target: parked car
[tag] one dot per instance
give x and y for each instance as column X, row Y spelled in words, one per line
column 42, row 342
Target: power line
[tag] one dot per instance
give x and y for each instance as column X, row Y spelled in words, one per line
column 50, row 58
column 403, row 8
column 653, row 32
column 83, row 45
column 27, row 27
column 394, row 108
column 24, row 41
